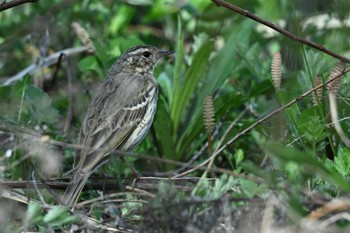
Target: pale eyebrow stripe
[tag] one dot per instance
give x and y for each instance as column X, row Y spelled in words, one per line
column 138, row 50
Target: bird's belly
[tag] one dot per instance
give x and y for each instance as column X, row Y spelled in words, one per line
column 142, row 128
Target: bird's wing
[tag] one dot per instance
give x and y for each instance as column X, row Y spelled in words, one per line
column 112, row 116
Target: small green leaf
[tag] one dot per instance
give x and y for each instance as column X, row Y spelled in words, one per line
column 33, row 214
column 65, row 220
column 239, row 155
column 342, row 162
column 250, row 188
column 55, row 213
column 90, row 63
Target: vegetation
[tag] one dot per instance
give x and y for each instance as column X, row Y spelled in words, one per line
column 213, row 161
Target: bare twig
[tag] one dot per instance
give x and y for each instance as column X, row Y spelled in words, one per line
column 25, row 184
column 14, row 3
column 280, row 29
column 48, row 61
column 109, row 196
column 144, row 183
column 37, row 189
column 336, row 123
column 335, row 205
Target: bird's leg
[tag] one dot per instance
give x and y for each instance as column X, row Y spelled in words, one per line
column 136, row 174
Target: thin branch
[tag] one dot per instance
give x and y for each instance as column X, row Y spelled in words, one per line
column 47, row 61
column 14, row 3
column 144, row 183
column 336, row 123
column 280, row 29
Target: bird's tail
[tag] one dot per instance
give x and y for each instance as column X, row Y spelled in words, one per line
column 76, row 184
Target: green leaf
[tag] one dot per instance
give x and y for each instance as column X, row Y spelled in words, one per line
column 55, row 213
column 250, row 188
column 263, row 88
column 164, row 131
column 309, row 163
column 39, row 105
column 165, row 84
column 91, row 63
column 310, row 125
column 33, row 214
column 191, row 80
column 65, row 220
column 179, row 59
column 226, row 61
column 26, row 103
column 121, row 18
column 342, row 162
column 239, row 155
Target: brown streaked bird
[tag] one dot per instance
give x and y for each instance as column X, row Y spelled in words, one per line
column 119, row 116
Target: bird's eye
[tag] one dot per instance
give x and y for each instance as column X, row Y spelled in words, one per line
column 146, row 54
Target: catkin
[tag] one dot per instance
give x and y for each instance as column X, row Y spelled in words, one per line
column 208, row 113
column 84, row 37
column 337, row 71
column 276, row 70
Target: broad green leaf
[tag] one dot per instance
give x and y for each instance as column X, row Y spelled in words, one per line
column 91, row 63
column 263, row 88
column 226, row 61
column 121, row 18
column 164, row 131
column 179, row 59
column 191, row 80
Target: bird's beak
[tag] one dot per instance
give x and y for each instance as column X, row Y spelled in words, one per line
column 163, row 53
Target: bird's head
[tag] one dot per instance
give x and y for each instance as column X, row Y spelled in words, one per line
column 142, row 58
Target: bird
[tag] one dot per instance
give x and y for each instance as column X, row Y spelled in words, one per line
column 119, row 115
